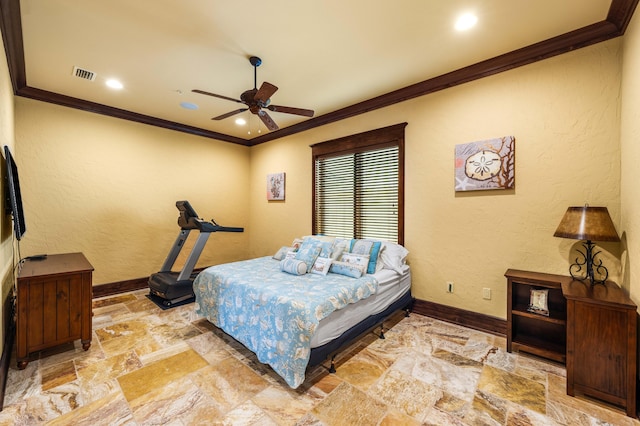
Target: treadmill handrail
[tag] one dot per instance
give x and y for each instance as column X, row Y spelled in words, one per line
column 204, row 226
column 228, row 229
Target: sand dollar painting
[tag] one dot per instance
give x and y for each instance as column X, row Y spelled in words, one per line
column 483, row 165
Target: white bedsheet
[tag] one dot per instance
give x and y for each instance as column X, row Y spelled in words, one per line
column 391, row 286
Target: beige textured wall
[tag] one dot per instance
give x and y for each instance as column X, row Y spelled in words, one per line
column 630, row 142
column 6, row 138
column 564, row 113
column 108, row 187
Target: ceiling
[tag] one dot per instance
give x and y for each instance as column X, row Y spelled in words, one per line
column 338, row 58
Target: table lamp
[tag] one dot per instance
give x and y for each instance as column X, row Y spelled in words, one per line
column 590, row 224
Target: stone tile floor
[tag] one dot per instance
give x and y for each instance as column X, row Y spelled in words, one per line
column 147, row 366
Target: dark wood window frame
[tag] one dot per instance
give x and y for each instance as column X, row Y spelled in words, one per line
column 362, row 142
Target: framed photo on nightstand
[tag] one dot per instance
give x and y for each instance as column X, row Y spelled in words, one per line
column 538, row 302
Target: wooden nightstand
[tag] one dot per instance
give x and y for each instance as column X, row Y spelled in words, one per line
column 53, row 303
column 532, row 332
column 601, row 343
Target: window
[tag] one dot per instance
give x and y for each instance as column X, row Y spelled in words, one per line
column 358, row 185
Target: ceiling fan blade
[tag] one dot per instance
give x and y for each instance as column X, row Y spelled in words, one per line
column 265, row 92
column 229, row 114
column 291, row 110
column 202, row 92
column 266, row 119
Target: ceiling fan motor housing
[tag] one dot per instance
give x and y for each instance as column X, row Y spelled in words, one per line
column 248, row 97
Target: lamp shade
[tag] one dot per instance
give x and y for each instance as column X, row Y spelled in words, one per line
column 587, row 223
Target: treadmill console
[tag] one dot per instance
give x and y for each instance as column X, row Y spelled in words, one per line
column 188, row 216
column 189, row 219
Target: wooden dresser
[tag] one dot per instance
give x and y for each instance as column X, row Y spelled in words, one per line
column 53, row 303
column 591, row 329
column 601, row 343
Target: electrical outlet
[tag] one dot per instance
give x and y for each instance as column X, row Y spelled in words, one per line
column 449, row 286
column 486, row 293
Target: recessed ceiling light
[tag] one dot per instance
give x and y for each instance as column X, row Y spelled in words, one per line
column 241, row 121
column 188, row 105
column 466, row 21
column 114, row 84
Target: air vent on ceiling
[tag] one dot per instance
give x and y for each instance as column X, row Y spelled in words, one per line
column 85, row 74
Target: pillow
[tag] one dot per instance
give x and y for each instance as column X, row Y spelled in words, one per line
column 293, row 266
column 308, row 253
column 280, row 254
column 359, row 260
column 340, row 245
column 308, row 248
column 321, row 265
column 369, row 247
column 393, row 256
column 380, row 263
column 295, row 245
column 326, row 245
column 325, row 238
column 344, row 268
column 290, row 255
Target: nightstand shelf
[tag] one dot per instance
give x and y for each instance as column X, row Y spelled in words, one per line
column 541, row 335
column 538, row 346
column 555, row 318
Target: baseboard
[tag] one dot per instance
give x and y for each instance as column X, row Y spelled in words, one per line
column 118, row 287
column 462, row 317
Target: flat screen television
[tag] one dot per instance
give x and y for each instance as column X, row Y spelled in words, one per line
column 13, row 199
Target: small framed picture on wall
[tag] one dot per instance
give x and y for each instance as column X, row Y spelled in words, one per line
column 275, row 186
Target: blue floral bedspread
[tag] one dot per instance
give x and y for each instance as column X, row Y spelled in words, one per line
column 273, row 313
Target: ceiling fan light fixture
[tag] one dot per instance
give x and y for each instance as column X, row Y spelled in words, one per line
column 241, row 121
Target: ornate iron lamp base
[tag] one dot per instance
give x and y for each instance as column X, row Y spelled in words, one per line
column 588, row 262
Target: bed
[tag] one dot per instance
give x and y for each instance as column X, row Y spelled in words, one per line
column 301, row 306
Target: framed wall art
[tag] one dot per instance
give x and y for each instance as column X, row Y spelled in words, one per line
column 275, row 186
column 488, row 164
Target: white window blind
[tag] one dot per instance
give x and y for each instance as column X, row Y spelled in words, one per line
column 358, row 192
column 357, row 195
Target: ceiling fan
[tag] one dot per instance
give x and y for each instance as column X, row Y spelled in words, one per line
column 257, row 100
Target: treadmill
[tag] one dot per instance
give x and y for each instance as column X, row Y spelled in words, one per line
column 169, row 287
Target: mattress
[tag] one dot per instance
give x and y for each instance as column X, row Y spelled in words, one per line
column 391, row 286
column 272, row 313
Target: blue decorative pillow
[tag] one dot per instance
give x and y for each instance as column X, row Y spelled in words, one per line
column 308, row 253
column 282, row 253
column 359, row 260
column 326, row 245
column 345, row 268
column 293, row 266
column 369, row 247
